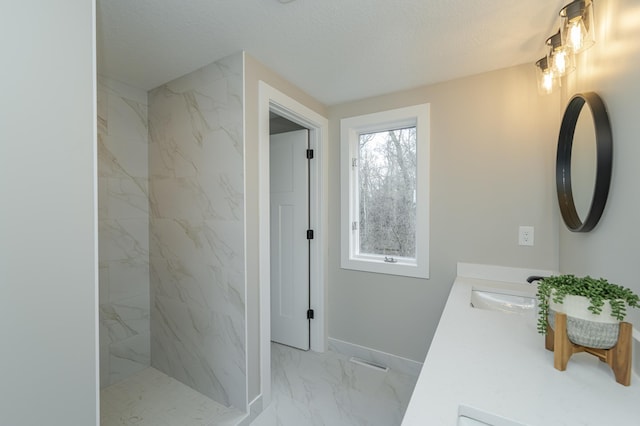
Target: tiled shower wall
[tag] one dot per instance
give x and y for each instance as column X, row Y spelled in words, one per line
column 123, row 215
column 197, row 230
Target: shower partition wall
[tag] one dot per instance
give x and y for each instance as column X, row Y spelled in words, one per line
column 197, row 231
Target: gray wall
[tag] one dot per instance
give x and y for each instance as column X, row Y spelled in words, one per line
column 492, row 169
column 611, row 68
column 123, row 213
column 48, row 219
column 197, row 253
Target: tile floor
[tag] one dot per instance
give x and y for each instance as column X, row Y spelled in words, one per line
column 151, row 398
column 312, row 388
column 308, row 388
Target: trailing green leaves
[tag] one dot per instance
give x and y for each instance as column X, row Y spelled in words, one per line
column 598, row 291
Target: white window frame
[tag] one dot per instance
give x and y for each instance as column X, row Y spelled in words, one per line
column 350, row 130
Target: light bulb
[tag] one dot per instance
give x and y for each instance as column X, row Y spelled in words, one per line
column 546, row 79
column 547, row 82
column 577, row 25
column 560, row 57
column 575, row 36
column 560, row 62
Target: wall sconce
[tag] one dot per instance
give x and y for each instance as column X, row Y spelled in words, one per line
column 577, row 25
column 560, row 56
column 544, row 74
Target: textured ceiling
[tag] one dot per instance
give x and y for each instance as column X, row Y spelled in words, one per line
column 335, row 50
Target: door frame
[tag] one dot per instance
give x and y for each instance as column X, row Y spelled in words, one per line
column 271, row 99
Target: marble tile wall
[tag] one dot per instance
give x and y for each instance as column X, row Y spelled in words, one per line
column 123, row 216
column 197, row 231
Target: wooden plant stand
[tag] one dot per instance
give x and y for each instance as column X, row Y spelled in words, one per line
column 618, row 357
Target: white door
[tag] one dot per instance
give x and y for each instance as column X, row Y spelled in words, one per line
column 289, row 187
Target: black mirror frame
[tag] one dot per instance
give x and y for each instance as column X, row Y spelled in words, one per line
column 604, row 152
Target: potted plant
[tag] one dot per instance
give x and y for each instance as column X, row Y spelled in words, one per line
column 594, row 308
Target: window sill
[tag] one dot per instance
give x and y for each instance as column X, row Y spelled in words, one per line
column 399, row 268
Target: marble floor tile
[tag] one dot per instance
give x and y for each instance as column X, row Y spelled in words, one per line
column 320, row 389
column 151, row 398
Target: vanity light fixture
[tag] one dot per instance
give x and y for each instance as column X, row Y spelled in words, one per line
column 546, row 80
column 577, row 25
column 575, row 35
column 560, row 57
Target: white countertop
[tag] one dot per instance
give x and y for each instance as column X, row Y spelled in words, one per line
column 496, row 363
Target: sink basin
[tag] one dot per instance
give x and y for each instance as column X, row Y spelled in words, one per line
column 469, row 421
column 503, row 302
column 470, row 416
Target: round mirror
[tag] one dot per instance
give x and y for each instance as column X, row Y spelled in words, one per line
column 583, row 163
column 583, row 166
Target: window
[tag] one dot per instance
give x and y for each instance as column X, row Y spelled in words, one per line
column 385, row 195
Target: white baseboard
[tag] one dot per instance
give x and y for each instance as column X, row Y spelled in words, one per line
column 394, row 362
column 255, row 408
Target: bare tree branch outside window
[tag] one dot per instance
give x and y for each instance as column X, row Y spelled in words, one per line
column 387, row 192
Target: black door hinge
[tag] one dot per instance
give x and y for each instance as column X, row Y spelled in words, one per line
column 309, row 154
column 309, row 313
column 310, row 234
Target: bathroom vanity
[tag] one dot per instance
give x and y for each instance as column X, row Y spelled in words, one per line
column 487, row 364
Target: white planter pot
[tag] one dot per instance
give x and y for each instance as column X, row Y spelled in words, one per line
column 584, row 327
